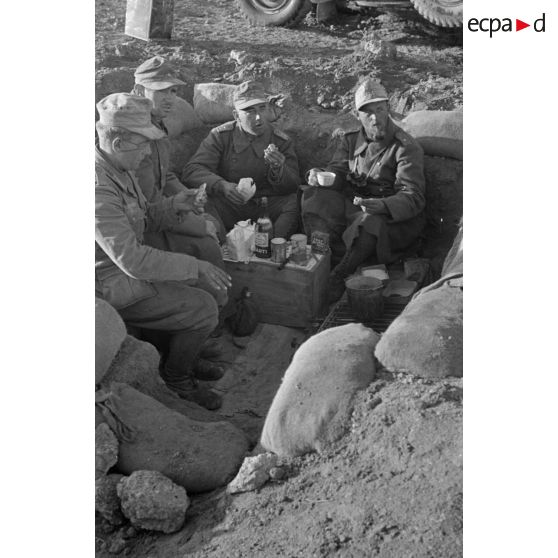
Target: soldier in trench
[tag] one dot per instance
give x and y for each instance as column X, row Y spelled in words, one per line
column 249, row 147
column 197, row 234
column 376, row 203
column 151, row 288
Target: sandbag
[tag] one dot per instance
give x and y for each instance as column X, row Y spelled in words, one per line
column 213, row 102
column 199, row 456
column 427, row 338
column 181, row 118
column 440, row 132
column 110, row 332
column 312, row 407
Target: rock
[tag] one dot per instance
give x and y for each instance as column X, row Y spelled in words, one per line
column 152, row 501
column 117, row 545
column 199, row 456
column 106, row 450
column 277, row 473
column 110, row 332
column 312, row 407
column 253, row 473
column 379, row 48
column 137, row 365
column 107, row 502
column 213, row 102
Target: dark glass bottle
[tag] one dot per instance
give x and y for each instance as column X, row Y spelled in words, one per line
column 264, row 232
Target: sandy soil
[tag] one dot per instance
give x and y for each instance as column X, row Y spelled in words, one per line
column 392, row 486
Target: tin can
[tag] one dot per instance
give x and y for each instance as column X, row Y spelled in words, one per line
column 298, row 249
column 278, row 250
column 320, row 242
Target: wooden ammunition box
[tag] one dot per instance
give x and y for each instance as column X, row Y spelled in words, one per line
column 294, row 296
column 149, row 19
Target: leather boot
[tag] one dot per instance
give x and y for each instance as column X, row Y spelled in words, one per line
column 207, row 371
column 189, row 389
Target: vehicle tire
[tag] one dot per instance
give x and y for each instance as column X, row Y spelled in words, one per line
column 444, row 13
column 275, row 12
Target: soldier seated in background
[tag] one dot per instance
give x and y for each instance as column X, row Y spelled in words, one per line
column 241, row 149
column 377, row 200
column 150, row 288
column 196, row 235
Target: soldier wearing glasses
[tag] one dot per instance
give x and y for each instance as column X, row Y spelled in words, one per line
column 150, row 288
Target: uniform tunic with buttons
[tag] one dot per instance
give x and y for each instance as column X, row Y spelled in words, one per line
column 390, row 170
column 125, row 268
column 229, row 154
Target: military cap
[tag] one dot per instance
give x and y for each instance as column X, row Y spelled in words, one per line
column 130, row 112
column 369, row 91
column 156, row 73
column 248, row 94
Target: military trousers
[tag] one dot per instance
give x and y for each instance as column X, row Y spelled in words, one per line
column 186, row 314
column 283, row 211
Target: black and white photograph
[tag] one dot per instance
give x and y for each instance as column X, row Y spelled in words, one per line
column 278, row 278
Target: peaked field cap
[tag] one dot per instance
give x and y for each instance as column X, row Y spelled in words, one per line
column 130, row 112
column 156, row 73
column 369, row 91
column 248, row 94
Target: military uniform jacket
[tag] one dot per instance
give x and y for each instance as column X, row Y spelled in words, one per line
column 228, row 153
column 391, row 170
column 157, row 181
column 125, row 268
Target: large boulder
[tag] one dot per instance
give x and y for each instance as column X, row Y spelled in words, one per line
column 110, row 332
column 199, row 456
column 313, row 404
column 137, row 364
column 213, row 102
column 152, row 501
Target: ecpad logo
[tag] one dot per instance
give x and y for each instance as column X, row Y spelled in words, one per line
column 494, row 24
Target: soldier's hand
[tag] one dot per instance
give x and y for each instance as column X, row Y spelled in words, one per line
column 312, row 179
column 275, row 159
column 185, row 201
column 215, row 276
column 231, row 193
column 374, row 206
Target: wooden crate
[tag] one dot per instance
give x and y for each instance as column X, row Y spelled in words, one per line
column 293, row 296
column 149, row 19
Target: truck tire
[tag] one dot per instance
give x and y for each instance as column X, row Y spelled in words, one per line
column 444, row 13
column 275, row 12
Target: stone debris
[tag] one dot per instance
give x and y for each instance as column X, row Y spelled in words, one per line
column 255, row 472
column 106, row 450
column 110, row 333
column 107, row 503
column 152, row 501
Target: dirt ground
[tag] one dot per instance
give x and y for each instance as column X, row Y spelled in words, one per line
column 392, row 486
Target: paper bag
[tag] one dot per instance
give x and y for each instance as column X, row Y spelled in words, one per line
column 240, row 241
